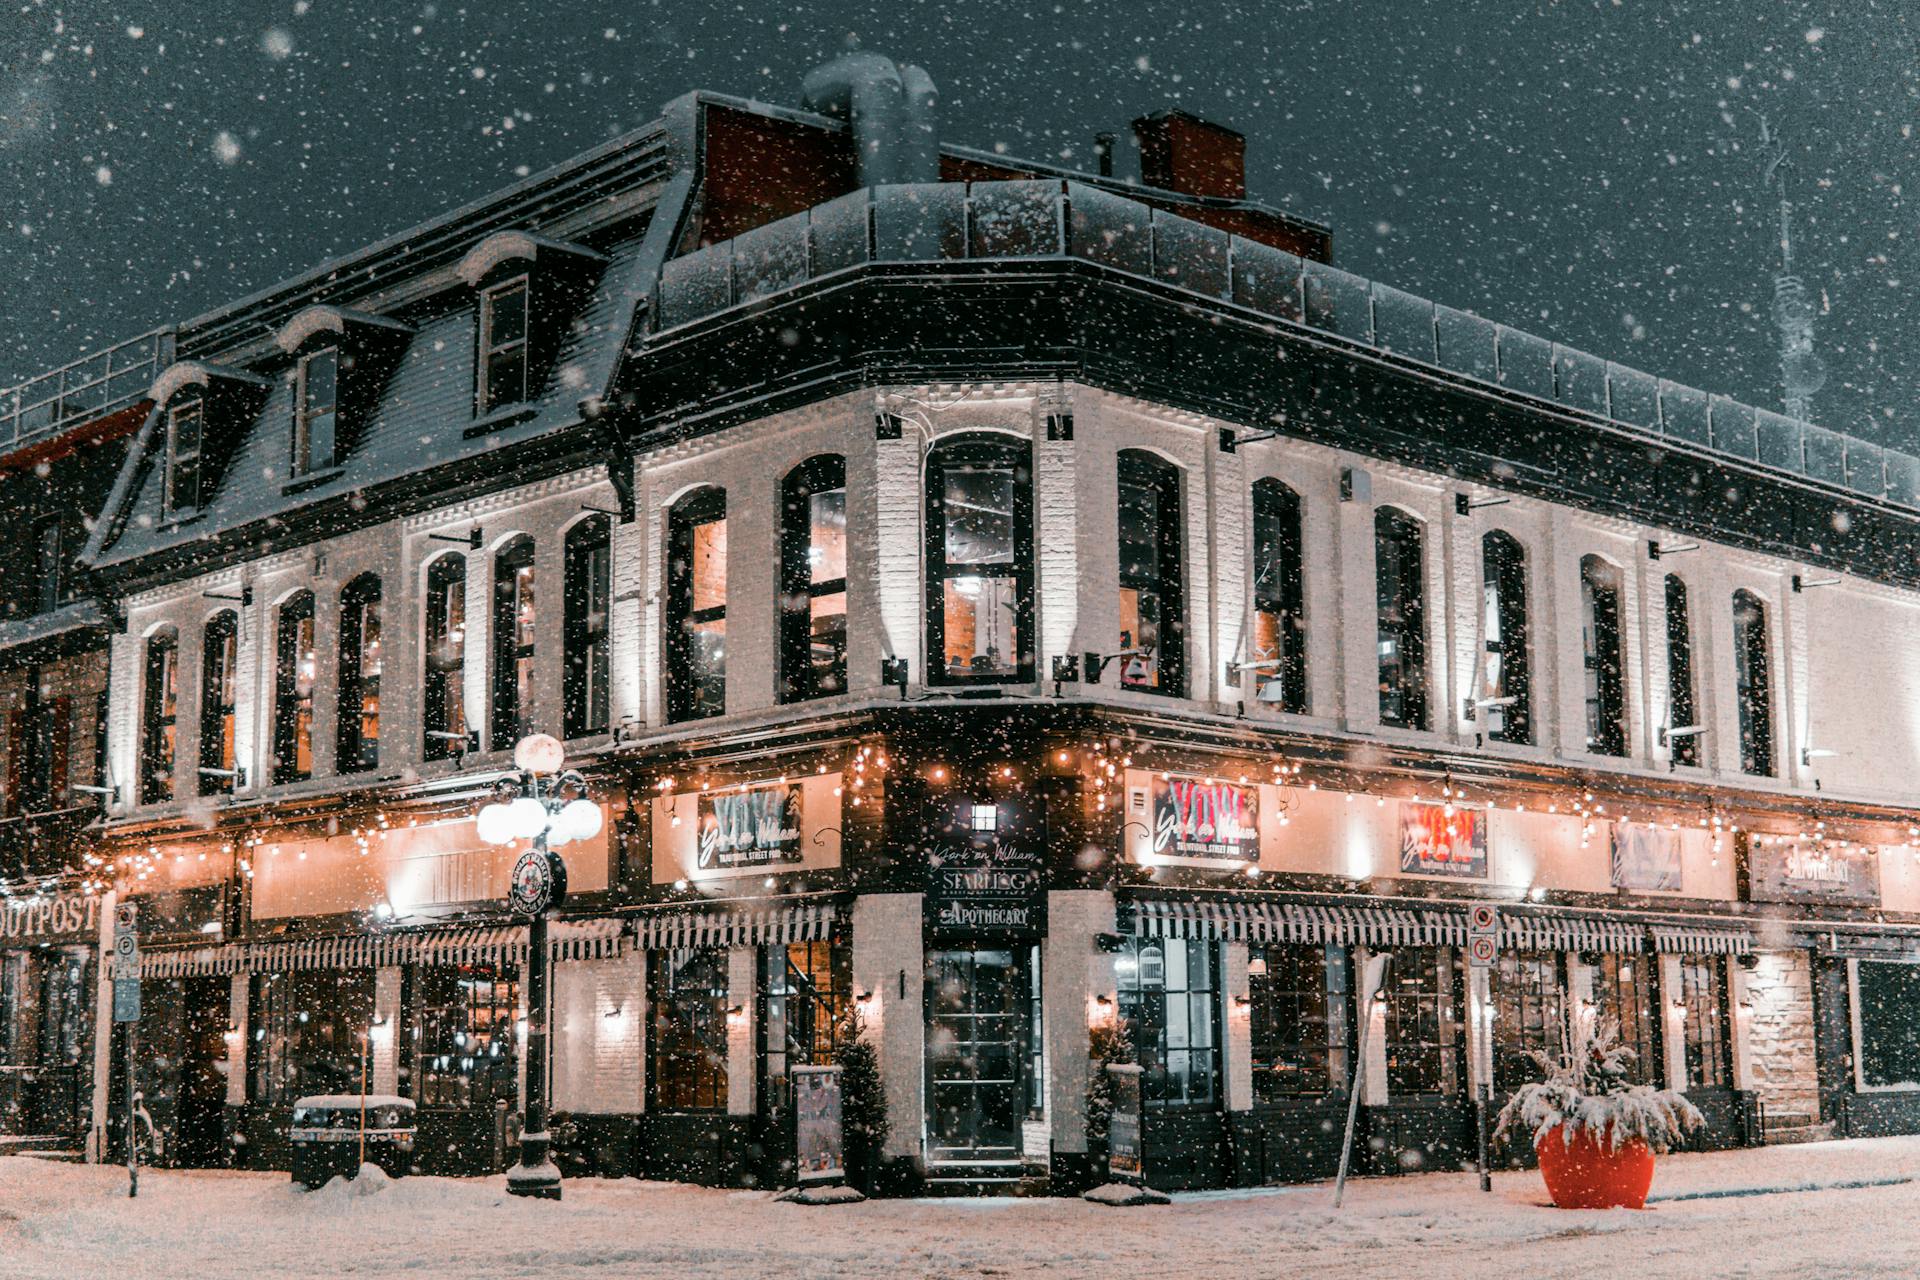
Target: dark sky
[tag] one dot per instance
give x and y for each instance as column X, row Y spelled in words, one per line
column 1584, row 170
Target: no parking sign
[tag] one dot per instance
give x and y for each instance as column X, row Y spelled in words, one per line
column 1483, row 935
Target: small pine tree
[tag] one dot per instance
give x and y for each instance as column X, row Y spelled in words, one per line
column 1107, row 1043
column 863, row 1098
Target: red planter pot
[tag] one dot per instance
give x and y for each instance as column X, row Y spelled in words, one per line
column 1584, row 1174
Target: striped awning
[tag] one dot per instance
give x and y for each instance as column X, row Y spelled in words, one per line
column 480, row 944
column 1546, row 931
column 1701, row 940
column 1239, row 921
column 667, row 929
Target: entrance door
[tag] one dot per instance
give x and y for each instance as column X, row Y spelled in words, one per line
column 977, row 1016
column 200, row 1139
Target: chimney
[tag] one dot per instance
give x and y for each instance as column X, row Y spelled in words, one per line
column 1182, row 152
column 891, row 107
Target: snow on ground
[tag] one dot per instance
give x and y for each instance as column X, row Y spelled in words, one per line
column 62, row 1221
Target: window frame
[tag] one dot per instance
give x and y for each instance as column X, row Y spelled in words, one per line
column 1144, row 470
column 160, row 716
column 1135, row 995
column 1514, row 1036
column 1633, row 1002
column 979, row 450
column 1280, row 1016
column 293, row 710
column 49, row 573
column 1279, row 589
column 800, row 676
column 305, row 458
column 1682, row 687
column 513, row 669
column 587, row 627
column 1503, row 602
column 1425, row 1023
column 684, row 688
column 219, row 702
column 355, row 751
column 490, row 353
column 822, row 985
column 1603, row 655
column 276, row 1011
column 1706, row 1029
column 1402, row 621
column 443, row 704
column 1753, row 684
column 687, row 1071
column 453, row 1006
column 181, row 499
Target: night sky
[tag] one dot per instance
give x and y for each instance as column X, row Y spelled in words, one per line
column 1587, row 171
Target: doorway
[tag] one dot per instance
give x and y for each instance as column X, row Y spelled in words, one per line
column 978, row 1030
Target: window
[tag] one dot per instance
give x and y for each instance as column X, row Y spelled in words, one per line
column 1298, row 1043
column 463, row 1043
column 806, row 998
column 315, row 417
column 159, row 715
column 307, row 1030
column 1605, row 667
column 1152, row 603
column 185, row 422
column 295, row 662
column 513, row 635
column 697, row 606
column 1279, row 596
column 1703, row 989
column 1169, row 997
column 446, row 657
column 219, row 700
column 1508, row 680
column 979, row 561
column 813, row 580
column 1751, row 691
column 1529, row 1016
column 589, row 587
column 49, row 564
column 687, row 1049
column 358, row 731
column 39, row 737
column 1681, row 708
column 503, row 346
column 1885, row 994
column 985, row 817
column 1401, row 599
column 1623, row 990
column 1426, row 1016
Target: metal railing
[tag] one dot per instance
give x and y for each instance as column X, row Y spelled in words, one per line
column 88, row 388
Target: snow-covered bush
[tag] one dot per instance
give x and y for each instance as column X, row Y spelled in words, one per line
column 1586, row 1090
column 1108, row 1042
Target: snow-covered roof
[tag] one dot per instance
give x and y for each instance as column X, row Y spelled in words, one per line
column 325, row 319
column 510, row 246
column 196, row 373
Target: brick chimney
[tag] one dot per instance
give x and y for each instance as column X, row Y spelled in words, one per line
column 1182, row 152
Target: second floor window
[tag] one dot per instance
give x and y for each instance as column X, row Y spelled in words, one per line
column 445, row 660
column 696, row 676
column 589, row 588
column 1400, row 609
column 503, row 346
column 219, row 697
column 315, row 417
column 1152, row 588
column 1752, row 689
column 1507, row 686
column 1602, row 658
column 1279, row 596
column 358, row 729
column 185, row 422
column 513, row 634
column 1681, row 707
column 979, row 549
column 159, row 716
column 813, row 580
column 295, row 663
column 49, row 564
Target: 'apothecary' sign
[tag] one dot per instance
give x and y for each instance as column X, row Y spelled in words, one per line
column 1807, row 871
column 752, row 828
column 1205, row 820
column 991, row 887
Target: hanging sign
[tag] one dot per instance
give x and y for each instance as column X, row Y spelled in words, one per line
column 1646, row 857
column 1434, row 842
column 539, row 882
column 755, row 827
column 818, row 1136
column 1811, row 871
column 1204, row 820
column 1125, row 1162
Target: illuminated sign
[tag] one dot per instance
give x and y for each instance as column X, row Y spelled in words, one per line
column 1434, row 842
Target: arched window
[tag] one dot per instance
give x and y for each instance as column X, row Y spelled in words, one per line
column 295, row 665
column 219, row 702
column 1279, row 596
column 445, row 699
column 696, row 649
column 513, row 634
column 358, row 733
column 1682, row 710
column 159, row 716
column 1507, row 690
column 979, row 560
column 1605, row 666
column 813, row 580
column 1400, row 594
column 589, row 588
column 1152, row 578
column 1752, row 685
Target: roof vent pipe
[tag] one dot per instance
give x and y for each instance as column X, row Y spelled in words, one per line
column 891, row 109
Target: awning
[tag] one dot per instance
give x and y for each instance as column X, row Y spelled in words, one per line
column 666, row 929
column 487, row 944
column 1239, row 921
column 1701, row 940
column 1559, row 932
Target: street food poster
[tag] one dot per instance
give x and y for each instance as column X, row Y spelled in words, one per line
column 768, row 825
column 1193, row 821
column 1646, row 857
column 1443, row 840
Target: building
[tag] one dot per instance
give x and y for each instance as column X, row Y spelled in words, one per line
column 994, row 604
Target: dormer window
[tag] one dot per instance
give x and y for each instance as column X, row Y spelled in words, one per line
column 503, row 346
column 185, row 424
column 316, row 401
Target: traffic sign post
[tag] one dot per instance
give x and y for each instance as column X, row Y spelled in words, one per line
column 126, row 1008
column 1483, row 951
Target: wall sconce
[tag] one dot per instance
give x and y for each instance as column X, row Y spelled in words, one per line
column 616, row 1013
column 1242, row 1006
column 864, row 998
column 737, row 1016
column 1100, row 1011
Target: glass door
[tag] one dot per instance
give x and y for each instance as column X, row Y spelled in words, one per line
column 977, row 1012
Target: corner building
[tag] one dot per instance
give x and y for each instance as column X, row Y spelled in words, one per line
column 997, row 602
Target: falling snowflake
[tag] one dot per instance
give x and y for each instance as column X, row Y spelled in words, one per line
column 277, row 43
column 226, row 147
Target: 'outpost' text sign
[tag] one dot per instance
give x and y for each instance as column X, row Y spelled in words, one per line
column 52, row 918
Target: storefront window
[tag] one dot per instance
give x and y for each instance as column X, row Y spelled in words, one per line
column 309, row 1030
column 1529, row 1016
column 1886, row 994
column 687, row 1050
column 1298, row 1046
column 1426, row 995
column 1169, row 1003
column 464, row 1037
column 1703, row 988
column 1623, row 990
column 806, row 986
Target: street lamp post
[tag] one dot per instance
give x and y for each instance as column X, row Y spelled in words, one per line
column 545, row 814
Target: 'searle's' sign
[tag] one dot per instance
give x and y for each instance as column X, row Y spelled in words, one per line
column 61, row 917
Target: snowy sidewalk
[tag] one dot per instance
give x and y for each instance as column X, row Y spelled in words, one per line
column 67, row 1220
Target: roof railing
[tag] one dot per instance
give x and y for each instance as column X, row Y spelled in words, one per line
column 91, row 387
